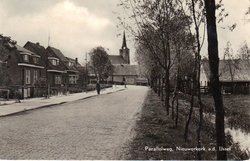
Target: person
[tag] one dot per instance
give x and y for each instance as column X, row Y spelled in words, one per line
column 124, row 81
column 18, row 96
column 98, row 87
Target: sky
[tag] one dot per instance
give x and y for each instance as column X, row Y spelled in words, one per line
column 77, row 26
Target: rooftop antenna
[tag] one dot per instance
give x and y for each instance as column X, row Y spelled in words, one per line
column 49, row 38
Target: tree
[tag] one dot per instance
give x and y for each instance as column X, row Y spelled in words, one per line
column 155, row 25
column 244, row 52
column 231, row 64
column 213, row 55
column 100, row 63
column 6, row 45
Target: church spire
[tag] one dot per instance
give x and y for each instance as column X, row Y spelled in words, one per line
column 124, row 43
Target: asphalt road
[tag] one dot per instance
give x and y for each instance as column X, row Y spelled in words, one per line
column 94, row 128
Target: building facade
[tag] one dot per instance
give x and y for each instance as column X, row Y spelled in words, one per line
column 25, row 68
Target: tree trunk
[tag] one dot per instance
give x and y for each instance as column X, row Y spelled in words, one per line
column 198, row 65
column 177, row 110
column 214, row 78
column 159, row 86
column 167, row 91
column 174, row 98
column 189, row 116
column 162, row 88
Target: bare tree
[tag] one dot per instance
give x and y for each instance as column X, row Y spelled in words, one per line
column 231, row 64
column 244, row 52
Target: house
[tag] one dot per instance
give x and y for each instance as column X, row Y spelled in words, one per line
column 41, row 51
column 56, row 71
column 76, row 75
column 24, row 68
column 234, row 76
column 68, row 79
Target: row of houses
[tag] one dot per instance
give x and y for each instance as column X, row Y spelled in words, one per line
column 36, row 71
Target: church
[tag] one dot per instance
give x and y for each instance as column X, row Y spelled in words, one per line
column 123, row 70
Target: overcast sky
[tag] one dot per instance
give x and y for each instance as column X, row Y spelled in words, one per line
column 76, row 26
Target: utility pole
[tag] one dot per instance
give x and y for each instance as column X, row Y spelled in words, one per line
column 86, row 79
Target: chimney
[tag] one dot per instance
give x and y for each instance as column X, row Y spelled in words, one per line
column 76, row 60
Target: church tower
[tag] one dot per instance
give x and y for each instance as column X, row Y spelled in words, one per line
column 124, row 51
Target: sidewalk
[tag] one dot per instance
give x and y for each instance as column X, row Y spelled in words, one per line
column 11, row 107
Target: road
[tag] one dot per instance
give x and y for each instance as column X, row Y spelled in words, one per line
column 94, row 128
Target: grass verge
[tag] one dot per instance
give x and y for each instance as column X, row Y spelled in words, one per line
column 156, row 138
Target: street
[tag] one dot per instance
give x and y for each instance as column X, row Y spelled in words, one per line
column 94, row 128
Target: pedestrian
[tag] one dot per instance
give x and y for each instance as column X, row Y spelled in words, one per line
column 18, row 96
column 124, row 82
column 98, row 87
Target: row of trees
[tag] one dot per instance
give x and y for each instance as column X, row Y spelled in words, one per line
column 167, row 35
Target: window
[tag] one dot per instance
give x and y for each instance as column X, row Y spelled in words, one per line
column 70, row 64
column 58, row 79
column 35, row 60
column 27, row 76
column 35, row 76
column 73, row 79
column 26, row 58
column 54, row 62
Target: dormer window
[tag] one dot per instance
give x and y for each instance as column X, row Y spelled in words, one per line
column 54, row 61
column 35, row 60
column 70, row 64
column 26, row 58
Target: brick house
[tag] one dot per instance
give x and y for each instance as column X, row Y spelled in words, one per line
column 56, row 72
column 69, row 73
column 76, row 75
column 41, row 51
column 24, row 68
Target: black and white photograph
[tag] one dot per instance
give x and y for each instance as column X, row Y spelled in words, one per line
column 124, row 80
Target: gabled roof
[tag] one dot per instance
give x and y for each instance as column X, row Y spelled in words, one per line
column 59, row 54
column 23, row 50
column 117, row 59
column 240, row 70
column 126, row 70
column 64, row 60
column 20, row 51
column 38, row 49
column 35, row 47
column 74, row 67
column 51, row 53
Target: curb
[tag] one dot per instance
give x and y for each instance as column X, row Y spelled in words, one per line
column 54, row 104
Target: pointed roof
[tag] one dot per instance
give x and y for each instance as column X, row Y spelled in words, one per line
column 124, row 42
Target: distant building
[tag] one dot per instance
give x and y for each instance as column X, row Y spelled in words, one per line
column 124, row 72
column 239, row 78
column 123, row 57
